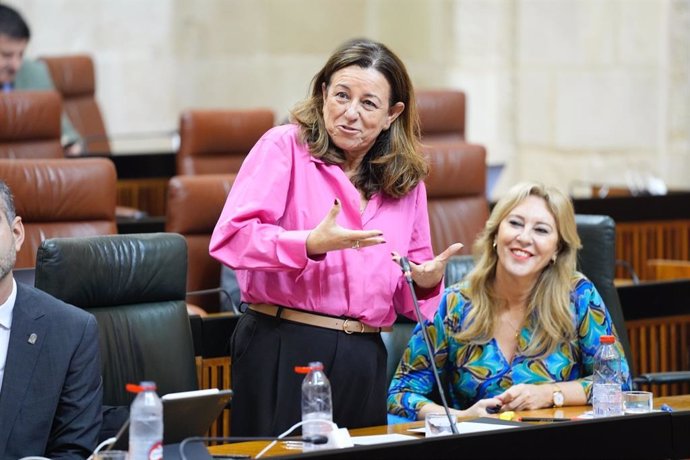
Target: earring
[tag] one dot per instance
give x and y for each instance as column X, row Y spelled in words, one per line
column 553, row 259
column 494, row 245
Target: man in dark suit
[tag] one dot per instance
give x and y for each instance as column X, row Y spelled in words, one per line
column 50, row 370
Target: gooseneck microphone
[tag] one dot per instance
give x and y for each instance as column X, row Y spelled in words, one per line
column 407, row 273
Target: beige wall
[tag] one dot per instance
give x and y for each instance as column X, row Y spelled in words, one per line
column 559, row 90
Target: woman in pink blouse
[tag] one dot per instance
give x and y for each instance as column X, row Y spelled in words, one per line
column 314, row 225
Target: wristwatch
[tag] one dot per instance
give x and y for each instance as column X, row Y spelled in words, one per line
column 558, row 398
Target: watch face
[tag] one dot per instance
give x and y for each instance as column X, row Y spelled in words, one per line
column 558, row 399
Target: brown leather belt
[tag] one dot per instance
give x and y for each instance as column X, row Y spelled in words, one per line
column 348, row 326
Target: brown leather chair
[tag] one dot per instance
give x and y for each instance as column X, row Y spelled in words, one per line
column 74, row 77
column 194, row 205
column 58, row 198
column 456, row 194
column 441, row 114
column 216, row 141
column 30, row 124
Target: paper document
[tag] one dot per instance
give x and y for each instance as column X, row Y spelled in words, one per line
column 381, row 439
column 473, row 427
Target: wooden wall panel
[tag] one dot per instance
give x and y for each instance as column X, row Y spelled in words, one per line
column 661, row 345
column 215, row 373
column 638, row 242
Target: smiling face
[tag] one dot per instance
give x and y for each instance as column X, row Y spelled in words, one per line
column 527, row 240
column 356, row 109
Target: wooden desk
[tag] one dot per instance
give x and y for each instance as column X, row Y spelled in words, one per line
column 665, row 435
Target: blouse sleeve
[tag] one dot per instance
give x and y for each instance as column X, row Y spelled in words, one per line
column 247, row 234
column 414, row 379
column 593, row 321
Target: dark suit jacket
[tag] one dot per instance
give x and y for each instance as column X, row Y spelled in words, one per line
column 51, row 396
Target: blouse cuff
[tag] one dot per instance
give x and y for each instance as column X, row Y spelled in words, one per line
column 291, row 248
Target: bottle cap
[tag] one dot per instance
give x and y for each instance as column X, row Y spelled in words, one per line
column 315, row 366
column 607, row 339
column 143, row 386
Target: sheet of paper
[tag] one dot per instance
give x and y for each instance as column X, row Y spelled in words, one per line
column 472, row 427
column 381, row 439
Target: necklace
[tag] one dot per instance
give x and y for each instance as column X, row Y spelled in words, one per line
column 517, row 329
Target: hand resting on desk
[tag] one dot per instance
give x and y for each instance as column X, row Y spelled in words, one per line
column 481, row 408
column 525, row 396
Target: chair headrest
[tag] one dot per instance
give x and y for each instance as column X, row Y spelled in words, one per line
column 72, row 75
column 30, row 116
column 222, row 132
column 110, row 270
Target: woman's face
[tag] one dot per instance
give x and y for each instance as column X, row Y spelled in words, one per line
column 527, row 240
column 356, row 110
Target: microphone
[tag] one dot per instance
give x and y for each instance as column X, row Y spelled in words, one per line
column 407, row 273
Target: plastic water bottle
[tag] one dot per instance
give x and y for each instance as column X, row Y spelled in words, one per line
column 316, row 404
column 145, row 423
column 607, row 394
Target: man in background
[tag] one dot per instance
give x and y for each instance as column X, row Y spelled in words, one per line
column 17, row 73
column 51, row 391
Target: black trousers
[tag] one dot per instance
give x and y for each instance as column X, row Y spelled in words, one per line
column 267, row 391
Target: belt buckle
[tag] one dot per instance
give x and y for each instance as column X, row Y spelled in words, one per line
column 347, row 331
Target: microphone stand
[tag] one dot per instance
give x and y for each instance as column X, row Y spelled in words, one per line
column 407, row 272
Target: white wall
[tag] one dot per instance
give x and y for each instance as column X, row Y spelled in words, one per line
column 559, row 90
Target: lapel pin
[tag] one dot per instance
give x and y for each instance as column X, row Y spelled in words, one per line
column 32, row 338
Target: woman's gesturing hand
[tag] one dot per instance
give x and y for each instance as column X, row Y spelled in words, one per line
column 329, row 236
column 430, row 273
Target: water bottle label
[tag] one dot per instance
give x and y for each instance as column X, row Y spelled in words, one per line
column 607, row 399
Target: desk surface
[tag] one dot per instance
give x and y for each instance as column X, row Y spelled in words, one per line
column 657, row 429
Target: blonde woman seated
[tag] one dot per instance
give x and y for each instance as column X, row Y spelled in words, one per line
column 520, row 332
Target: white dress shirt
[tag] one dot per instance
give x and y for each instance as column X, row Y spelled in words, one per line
column 6, row 310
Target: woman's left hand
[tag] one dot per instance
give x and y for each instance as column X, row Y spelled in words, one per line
column 429, row 274
column 525, row 396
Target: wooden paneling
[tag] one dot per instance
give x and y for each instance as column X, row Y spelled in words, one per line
column 147, row 195
column 661, row 345
column 638, row 242
column 215, row 373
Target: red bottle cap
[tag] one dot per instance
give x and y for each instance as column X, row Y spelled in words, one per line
column 143, row 386
column 607, row 339
column 310, row 367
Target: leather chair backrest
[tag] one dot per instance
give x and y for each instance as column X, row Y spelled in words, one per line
column 135, row 287
column 441, row 114
column 194, row 206
column 67, row 197
column 216, row 141
column 30, row 124
column 456, row 194
column 74, row 77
